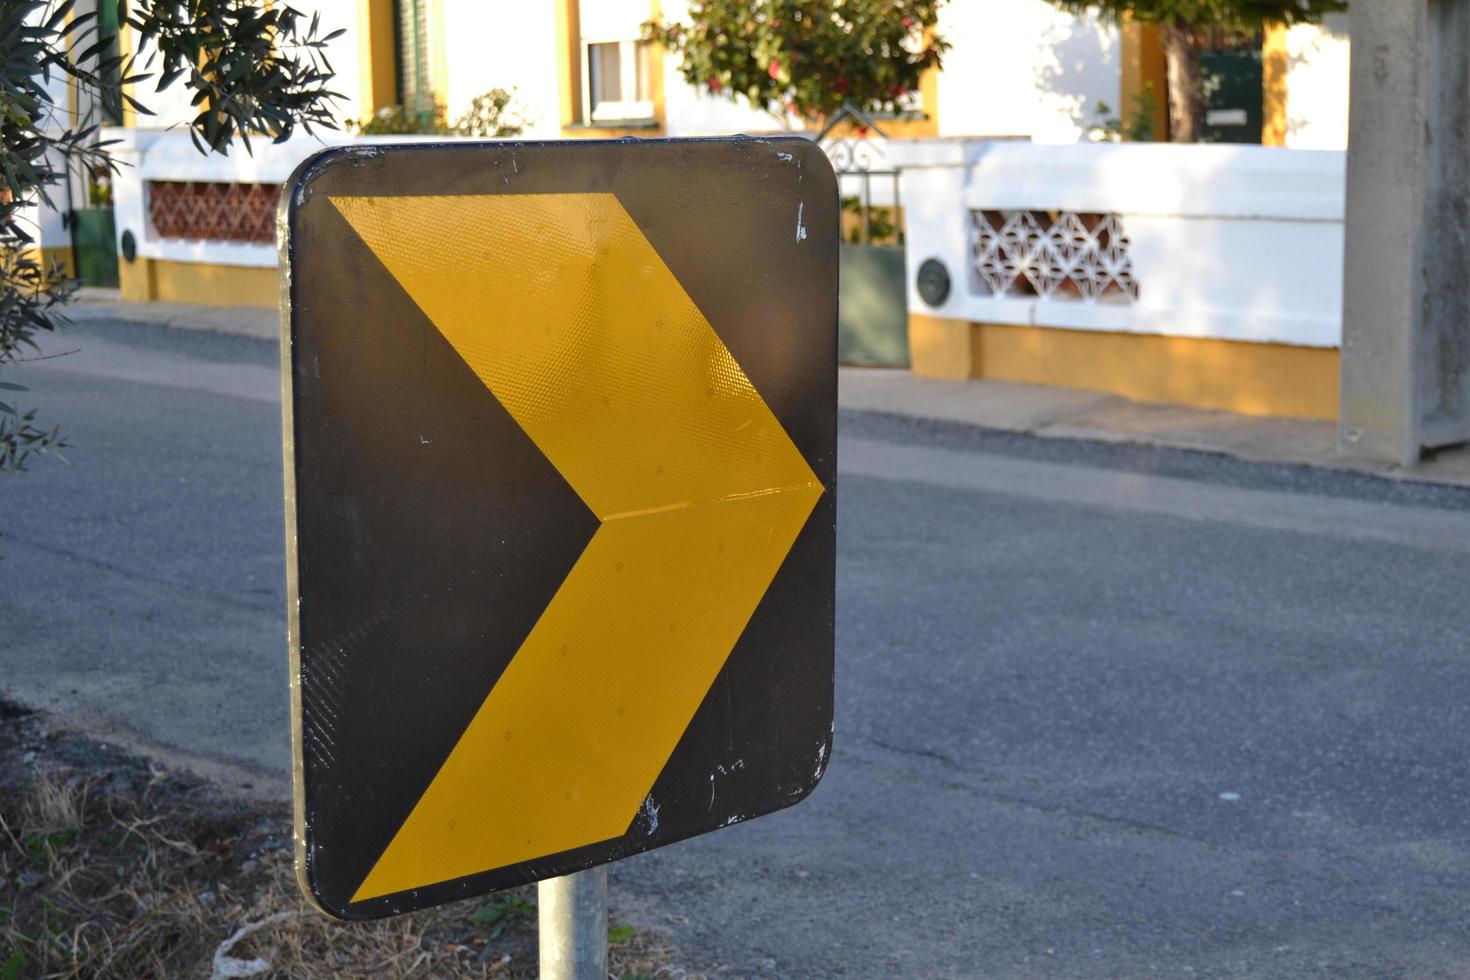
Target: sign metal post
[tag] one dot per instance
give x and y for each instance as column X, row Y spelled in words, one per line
column 572, row 921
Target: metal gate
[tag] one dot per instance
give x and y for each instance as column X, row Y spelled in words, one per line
column 872, row 312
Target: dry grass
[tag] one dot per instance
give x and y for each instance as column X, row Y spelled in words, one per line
column 120, row 870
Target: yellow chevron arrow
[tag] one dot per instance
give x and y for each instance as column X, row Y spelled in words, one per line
column 569, row 316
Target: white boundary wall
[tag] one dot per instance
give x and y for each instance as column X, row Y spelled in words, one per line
column 1227, row 242
column 170, row 155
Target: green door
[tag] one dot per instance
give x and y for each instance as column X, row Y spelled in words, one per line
column 872, row 309
column 1232, row 81
column 94, row 239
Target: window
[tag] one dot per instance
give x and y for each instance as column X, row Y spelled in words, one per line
column 619, row 80
column 618, row 68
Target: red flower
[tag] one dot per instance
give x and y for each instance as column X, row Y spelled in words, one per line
column 907, row 22
column 775, row 70
column 898, row 92
column 842, row 86
column 714, row 84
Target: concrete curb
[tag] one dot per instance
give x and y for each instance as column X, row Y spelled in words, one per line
column 95, row 305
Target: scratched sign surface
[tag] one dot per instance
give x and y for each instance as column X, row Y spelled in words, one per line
column 560, row 431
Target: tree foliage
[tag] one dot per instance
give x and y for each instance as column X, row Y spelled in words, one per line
column 255, row 68
column 33, row 292
column 807, row 57
column 1245, row 15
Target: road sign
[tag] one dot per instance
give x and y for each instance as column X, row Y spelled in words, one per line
column 560, row 437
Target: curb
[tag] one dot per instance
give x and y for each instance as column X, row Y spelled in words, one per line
column 94, row 305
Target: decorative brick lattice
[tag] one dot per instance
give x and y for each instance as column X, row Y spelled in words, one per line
column 1069, row 255
column 221, row 212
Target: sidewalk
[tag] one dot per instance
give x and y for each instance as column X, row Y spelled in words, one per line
column 1069, row 413
column 1064, row 413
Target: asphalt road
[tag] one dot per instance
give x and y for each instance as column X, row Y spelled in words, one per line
column 1102, row 711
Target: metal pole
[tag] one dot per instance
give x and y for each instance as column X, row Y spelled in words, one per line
column 867, row 208
column 572, row 914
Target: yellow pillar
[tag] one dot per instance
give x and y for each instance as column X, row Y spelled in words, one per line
column 377, row 71
column 1273, row 86
column 569, row 60
column 1144, row 71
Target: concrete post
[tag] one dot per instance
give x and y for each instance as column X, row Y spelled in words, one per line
column 1406, row 313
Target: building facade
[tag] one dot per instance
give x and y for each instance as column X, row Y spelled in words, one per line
column 1206, row 275
column 195, row 229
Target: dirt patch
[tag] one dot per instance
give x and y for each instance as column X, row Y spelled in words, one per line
column 111, row 866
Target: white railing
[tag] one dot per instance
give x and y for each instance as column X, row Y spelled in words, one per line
column 1227, row 242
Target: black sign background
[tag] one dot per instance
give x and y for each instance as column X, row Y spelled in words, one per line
column 414, row 576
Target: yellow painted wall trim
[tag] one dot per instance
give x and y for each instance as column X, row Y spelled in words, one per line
column 1274, row 63
column 1236, row 376
column 656, row 56
column 610, row 132
column 569, row 60
column 71, row 83
column 377, row 57
column 940, row 348
column 163, row 280
column 1143, row 66
column 135, row 280
column 59, row 255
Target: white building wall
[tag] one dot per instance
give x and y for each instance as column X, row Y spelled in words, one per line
column 1023, row 68
column 487, row 45
column 45, row 222
column 1317, row 85
column 690, row 111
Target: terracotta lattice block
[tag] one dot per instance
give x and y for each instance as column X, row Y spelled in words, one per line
column 213, row 211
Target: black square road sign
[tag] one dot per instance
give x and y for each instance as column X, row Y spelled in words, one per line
column 560, row 429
